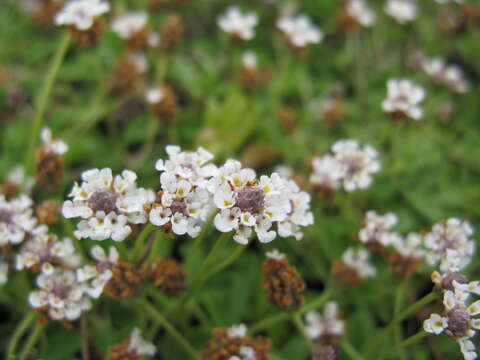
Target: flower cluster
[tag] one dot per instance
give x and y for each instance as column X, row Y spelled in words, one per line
column 327, row 328
column 353, row 267
column 81, row 14
column 403, row 99
column 238, row 25
column 350, row 166
column 299, row 30
column 358, row 13
column 134, row 347
column 107, row 205
column 49, row 159
column 133, row 27
column 402, row 11
column 441, row 73
column 376, row 229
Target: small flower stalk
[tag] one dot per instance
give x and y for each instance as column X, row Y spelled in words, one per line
column 282, row 282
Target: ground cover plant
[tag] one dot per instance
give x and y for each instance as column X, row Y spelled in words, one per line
column 242, row 179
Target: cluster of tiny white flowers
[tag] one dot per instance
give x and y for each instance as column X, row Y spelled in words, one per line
column 238, row 24
column 403, row 98
column 249, row 60
column 458, row 320
column 245, row 353
column 410, row 246
column 17, row 177
column 328, row 324
column 154, row 95
column 46, row 251
column 139, row 345
column 377, row 227
column 402, row 11
column 185, row 202
column 441, row 73
column 55, row 146
column 351, row 166
column 237, row 331
column 81, row 14
column 358, row 260
column 107, row 204
column 61, row 295
column 275, row 254
column 98, row 275
column 448, row 240
column 17, row 220
column 361, row 12
column 129, row 24
column 299, row 30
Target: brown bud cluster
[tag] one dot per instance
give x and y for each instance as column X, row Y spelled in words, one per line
column 252, row 78
column 223, row 347
column 166, row 109
column 283, row 284
column 48, row 168
column 287, row 118
column 125, row 75
column 139, row 40
column 86, row 38
column 121, row 351
column 345, row 274
column 9, row 189
column 172, row 33
column 168, row 277
column 401, row 265
column 47, row 212
column 347, row 22
column 125, row 281
column 45, row 14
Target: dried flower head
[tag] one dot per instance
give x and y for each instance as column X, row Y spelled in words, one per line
column 125, row 281
column 233, row 343
column 168, row 277
column 240, row 26
column 282, row 283
column 132, row 348
column 49, row 160
column 403, row 99
column 107, row 204
column 129, row 70
column 15, row 183
column 47, row 212
column 353, row 267
column 251, row 77
column 328, row 328
column 172, row 32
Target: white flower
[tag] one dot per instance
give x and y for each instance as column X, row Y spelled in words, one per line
column 249, row 60
column 139, row 61
column 458, row 321
column 139, row 345
column 107, row 204
column 129, row 24
column 46, row 251
column 81, row 13
column 450, row 241
column 376, row 227
column 324, row 173
column 403, row 99
column 450, row 75
column 17, row 220
column 357, row 260
column 284, row 171
column 299, row 30
column 402, row 11
column 246, row 203
column 3, row 272
column 275, row 254
column 238, row 24
column 57, row 146
column 61, row 295
column 17, row 178
column 361, row 12
column 356, row 164
column 410, row 246
column 154, row 95
column 237, row 331
column 328, row 325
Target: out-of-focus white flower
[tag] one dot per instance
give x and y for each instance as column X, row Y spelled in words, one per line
column 238, row 24
column 284, row 171
column 17, row 220
column 139, row 61
column 237, row 331
column 450, row 75
column 60, row 295
column 402, row 11
column 376, row 227
column 327, row 325
column 458, row 321
column 57, row 146
column 129, row 24
column 46, row 251
column 107, row 204
column 249, row 60
column 275, row 254
column 410, row 247
column 97, row 276
column 450, row 240
column 154, row 39
column 246, row 203
column 361, row 12
column 403, row 99
column 139, row 345
column 299, row 30
column 358, row 260
column 3, row 272
column 185, row 202
column 154, row 95
column 325, row 170
column 17, row 178
column 81, row 14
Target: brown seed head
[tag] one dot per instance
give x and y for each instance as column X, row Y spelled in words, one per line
column 168, row 277
column 125, row 281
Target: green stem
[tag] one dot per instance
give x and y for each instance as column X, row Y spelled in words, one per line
column 17, row 334
column 43, row 98
column 155, row 247
column 297, row 320
column 169, row 329
column 137, row 249
column 397, row 331
column 407, row 342
column 229, row 260
column 322, row 299
column 350, row 350
column 31, row 341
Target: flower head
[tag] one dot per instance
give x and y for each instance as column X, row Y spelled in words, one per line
column 327, row 328
column 402, row 11
column 81, row 14
column 353, row 267
column 376, row 227
column 360, row 12
column 403, row 99
column 237, row 24
column 299, row 30
column 129, row 24
column 134, row 347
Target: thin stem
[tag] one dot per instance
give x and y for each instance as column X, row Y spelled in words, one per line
column 397, row 331
column 229, row 260
column 17, row 334
column 155, row 247
column 407, row 342
column 297, row 320
column 350, row 350
column 31, row 341
column 322, row 299
column 84, row 338
column 43, row 98
column 170, row 329
column 137, row 249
